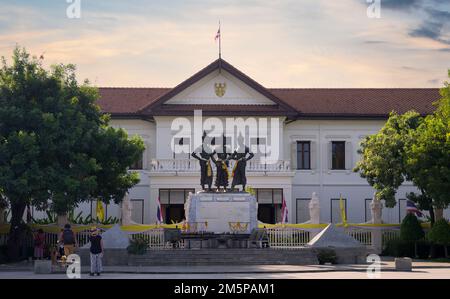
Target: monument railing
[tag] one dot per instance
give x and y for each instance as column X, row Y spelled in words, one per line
column 192, row 165
column 287, row 237
column 297, row 237
column 279, row 237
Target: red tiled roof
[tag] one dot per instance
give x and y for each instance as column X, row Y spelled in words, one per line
column 357, row 101
column 116, row 100
column 316, row 102
column 319, row 102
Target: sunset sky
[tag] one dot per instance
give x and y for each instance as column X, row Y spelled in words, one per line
column 279, row 43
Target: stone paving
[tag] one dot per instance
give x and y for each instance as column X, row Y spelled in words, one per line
column 420, row 270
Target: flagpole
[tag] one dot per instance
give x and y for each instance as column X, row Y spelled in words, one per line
column 220, row 42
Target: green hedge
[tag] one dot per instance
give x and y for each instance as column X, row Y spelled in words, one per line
column 421, row 249
column 410, row 229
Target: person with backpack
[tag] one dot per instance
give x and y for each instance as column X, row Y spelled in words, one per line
column 68, row 238
column 96, row 251
column 39, row 240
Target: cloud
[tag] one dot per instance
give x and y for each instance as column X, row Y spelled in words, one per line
column 295, row 43
column 373, row 42
column 434, row 81
column 433, row 18
column 399, row 4
column 429, row 29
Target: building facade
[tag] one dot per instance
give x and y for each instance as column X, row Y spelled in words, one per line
column 310, row 144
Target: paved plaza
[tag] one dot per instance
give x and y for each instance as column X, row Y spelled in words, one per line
column 421, row 270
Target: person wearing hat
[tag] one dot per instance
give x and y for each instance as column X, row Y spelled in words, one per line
column 96, row 251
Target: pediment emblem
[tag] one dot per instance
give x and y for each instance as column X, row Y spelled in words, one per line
column 220, row 89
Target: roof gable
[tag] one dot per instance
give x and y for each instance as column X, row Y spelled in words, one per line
column 201, row 89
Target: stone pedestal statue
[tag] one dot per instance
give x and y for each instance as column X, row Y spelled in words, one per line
column 127, row 208
column 222, row 212
column 203, row 155
column 376, row 208
column 221, row 161
column 314, row 213
column 314, row 209
column 241, row 155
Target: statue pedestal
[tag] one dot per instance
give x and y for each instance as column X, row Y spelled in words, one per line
column 233, row 212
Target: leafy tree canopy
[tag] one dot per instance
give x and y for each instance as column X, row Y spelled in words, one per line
column 56, row 148
column 414, row 148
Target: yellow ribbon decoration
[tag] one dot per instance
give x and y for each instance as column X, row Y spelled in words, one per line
column 234, row 168
column 224, row 167
column 208, row 169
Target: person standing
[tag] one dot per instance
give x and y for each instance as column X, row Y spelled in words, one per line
column 39, row 240
column 96, row 251
column 68, row 238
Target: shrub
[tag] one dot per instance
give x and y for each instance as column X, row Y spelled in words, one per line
column 138, row 245
column 440, row 234
column 423, row 249
column 410, row 229
column 326, row 256
column 399, row 248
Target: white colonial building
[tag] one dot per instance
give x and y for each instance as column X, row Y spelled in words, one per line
column 315, row 143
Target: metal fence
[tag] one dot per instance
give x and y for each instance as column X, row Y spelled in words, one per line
column 287, row 237
column 281, row 238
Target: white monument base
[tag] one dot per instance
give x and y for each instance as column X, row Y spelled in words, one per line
column 222, row 212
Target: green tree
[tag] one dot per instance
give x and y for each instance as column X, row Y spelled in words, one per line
column 440, row 234
column 410, row 229
column 50, row 156
column 410, row 147
column 383, row 155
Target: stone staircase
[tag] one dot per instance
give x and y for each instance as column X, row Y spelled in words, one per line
column 200, row 257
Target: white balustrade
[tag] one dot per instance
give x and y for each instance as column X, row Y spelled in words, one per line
column 192, row 165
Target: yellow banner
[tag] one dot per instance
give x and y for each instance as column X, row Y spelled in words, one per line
column 51, row 228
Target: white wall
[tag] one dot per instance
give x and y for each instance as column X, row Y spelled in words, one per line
column 298, row 184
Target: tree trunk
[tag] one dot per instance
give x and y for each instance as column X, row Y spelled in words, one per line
column 432, row 217
column 2, row 213
column 438, row 214
column 16, row 231
column 62, row 220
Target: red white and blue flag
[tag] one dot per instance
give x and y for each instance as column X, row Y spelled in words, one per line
column 284, row 212
column 217, row 34
column 159, row 217
column 412, row 208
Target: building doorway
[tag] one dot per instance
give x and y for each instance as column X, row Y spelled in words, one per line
column 269, row 205
column 172, row 204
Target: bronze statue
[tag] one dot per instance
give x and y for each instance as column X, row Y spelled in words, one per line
column 240, row 155
column 222, row 164
column 204, row 155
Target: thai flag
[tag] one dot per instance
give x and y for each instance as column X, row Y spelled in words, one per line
column 412, row 208
column 217, row 35
column 159, row 217
column 284, row 212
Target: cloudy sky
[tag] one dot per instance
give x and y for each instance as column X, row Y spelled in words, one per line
column 279, row 43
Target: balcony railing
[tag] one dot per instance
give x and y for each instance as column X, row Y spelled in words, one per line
column 192, row 165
